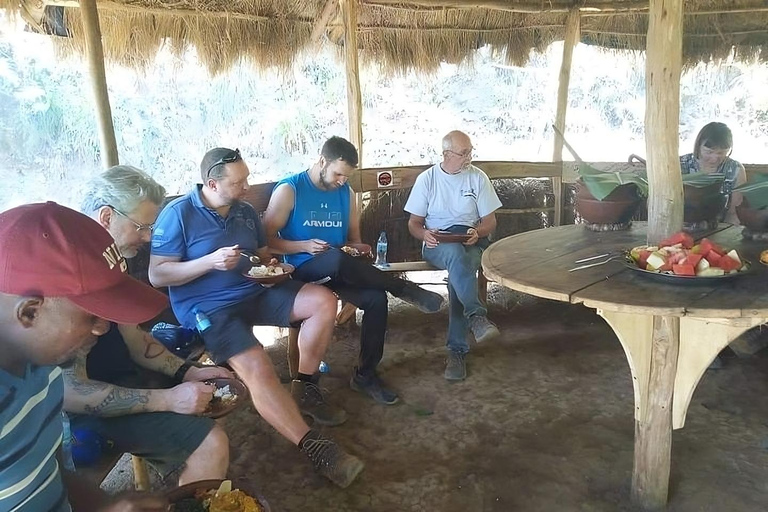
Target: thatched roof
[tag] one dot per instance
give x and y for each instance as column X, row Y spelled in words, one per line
column 396, row 34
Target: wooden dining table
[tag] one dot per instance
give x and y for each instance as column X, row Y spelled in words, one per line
column 670, row 331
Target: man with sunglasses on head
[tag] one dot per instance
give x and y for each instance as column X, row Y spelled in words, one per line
column 456, row 196
column 116, row 388
column 311, row 216
column 197, row 250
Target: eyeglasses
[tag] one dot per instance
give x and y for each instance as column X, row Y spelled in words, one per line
column 463, row 154
column 139, row 227
column 234, row 157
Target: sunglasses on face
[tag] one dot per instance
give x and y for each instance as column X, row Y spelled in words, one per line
column 139, row 227
column 231, row 158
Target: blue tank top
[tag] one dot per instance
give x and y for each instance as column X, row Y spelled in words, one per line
column 322, row 214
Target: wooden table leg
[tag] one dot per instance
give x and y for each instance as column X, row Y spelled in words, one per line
column 653, row 434
column 651, row 344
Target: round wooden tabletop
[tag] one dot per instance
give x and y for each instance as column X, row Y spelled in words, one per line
column 537, row 263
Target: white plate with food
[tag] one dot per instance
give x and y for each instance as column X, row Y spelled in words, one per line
column 270, row 274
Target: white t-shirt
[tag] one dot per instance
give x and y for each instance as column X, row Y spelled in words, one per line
column 448, row 199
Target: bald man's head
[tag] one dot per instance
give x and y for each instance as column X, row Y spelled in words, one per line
column 457, row 152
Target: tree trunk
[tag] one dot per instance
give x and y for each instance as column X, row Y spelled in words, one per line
column 99, row 82
column 354, row 95
column 572, row 29
column 662, row 118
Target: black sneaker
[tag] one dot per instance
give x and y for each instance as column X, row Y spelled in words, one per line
column 373, row 387
column 455, row 366
column 312, row 403
column 425, row 300
column 482, row 328
column 330, row 460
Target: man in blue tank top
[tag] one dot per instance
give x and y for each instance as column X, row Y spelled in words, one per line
column 310, row 217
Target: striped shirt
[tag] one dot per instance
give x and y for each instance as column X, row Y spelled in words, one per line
column 30, row 434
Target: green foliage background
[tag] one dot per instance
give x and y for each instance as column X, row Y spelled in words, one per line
column 167, row 116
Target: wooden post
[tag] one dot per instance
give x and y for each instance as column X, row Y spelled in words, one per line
column 653, row 430
column 318, row 29
column 354, row 94
column 662, row 118
column 572, row 29
column 99, row 82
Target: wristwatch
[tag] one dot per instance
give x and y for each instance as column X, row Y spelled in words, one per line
column 182, row 371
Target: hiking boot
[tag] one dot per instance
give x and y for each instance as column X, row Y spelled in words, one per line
column 482, row 328
column 330, row 460
column 455, row 366
column 425, row 300
column 373, row 387
column 312, row 403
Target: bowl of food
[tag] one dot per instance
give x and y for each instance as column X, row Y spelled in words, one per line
column 270, row 274
column 358, row 250
column 679, row 259
column 214, row 496
column 228, row 396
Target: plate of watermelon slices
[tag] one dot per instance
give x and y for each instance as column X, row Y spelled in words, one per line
column 679, row 259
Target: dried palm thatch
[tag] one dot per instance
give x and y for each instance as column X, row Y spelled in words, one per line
column 398, row 35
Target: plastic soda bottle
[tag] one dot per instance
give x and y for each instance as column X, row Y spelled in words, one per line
column 202, row 322
column 381, row 251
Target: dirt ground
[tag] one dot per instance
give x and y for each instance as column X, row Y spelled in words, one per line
column 542, row 423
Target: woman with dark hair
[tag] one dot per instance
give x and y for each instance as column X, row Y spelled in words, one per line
column 711, row 154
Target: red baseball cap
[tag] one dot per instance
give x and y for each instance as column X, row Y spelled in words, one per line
column 49, row 250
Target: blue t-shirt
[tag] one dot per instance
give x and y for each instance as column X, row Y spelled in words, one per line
column 316, row 213
column 187, row 229
column 30, row 435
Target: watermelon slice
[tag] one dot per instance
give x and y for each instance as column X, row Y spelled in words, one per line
column 642, row 259
column 692, row 259
column 684, row 239
column 713, row 258
column 727, row 264
column 683, row 270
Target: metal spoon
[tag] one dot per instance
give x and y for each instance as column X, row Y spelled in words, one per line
column 255, row 260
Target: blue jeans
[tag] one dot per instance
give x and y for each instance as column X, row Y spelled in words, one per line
column 462, row 263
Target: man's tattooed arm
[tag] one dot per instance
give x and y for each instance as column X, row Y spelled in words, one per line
column 85, row 396
column 147, row 352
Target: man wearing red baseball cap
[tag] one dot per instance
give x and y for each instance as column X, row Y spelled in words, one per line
column 62, row 279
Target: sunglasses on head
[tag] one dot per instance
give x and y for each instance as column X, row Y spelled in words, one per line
column 231, row 158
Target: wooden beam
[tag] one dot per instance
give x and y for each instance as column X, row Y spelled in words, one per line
column 594, row 9
column 95, row 56
column 507, row 6
column 318, row 29
column 662, row 118
column 572, row 30
column 108, row 5
column 354, row 94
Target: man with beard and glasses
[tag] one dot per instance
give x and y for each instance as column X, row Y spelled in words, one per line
column 456, row 196
column 310, row 217
column 62, row 281
column 129, row 385
column 196, row 252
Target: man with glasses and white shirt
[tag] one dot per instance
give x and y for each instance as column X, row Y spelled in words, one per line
column 106, row 389
column 458, row 197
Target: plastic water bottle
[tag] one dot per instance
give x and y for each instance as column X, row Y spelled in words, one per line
column 202, row 322
column 324, row 368
column 381, row 251
column 66, row 443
